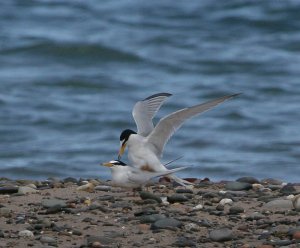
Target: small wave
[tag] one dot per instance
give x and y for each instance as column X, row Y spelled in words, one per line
column 71, row 51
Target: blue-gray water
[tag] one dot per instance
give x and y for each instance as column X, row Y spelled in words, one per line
column 71, row 71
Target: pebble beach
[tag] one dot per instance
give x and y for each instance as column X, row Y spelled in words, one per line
column 77, row 213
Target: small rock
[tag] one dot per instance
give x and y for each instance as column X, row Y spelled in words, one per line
column 226, row 201
column 70, row 180
column 191, row 227
column 103, row 188
column 48, row 240
column 288, row 189
column 272, row 181
column 144, row 227
column 198, row 207
column 54, row 202
column 296, row 235
column 5, row 212
column 151, row 218
column 26, row 190
column 146, row 195
column 166, row 223
column 279, row 204
column 255, row 216
column 26, row 234
column 251, row 180
column 91, row 240
column 177, row 198
column 296, row 202
column 221, row 235
column 89, row 187
column 8, row 190
column 184, row 191
column 184, row 242
column 236, row 186
column 236, row 210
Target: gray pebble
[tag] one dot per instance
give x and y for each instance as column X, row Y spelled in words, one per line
column 288, row 189
column 151, row 218
column 184, row 191
column 26, row 234
column 177, row 198
column 279, row 204
column 255, row 216
column 47, row 240
column 221, row 235
column 236, row 210
column 146, row 195
column 5, row 212
column 50, row 203
column 103, row 188
column 166, row 223
column 236, row 186
column 250, row 180
column 26, row 190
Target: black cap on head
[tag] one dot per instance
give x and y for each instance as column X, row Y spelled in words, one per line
column 125, row 134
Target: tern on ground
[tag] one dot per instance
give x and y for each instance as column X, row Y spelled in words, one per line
column 145, row 147
column 127, row 176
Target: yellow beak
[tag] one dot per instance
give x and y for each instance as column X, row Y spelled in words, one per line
column 122, row 150
column 107, row 164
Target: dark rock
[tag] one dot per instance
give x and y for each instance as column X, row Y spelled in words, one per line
column 1, row 234
column 184, row 242
column 288, row 189
column 146, row 211
column 251, row 180
column 48, row 240
column 8, row 190
column 50, row 203
column 146, row 195
column 100, row 239
column 236, row 210
column 221, row 235
column 255, row 216
column 70, row 180
column 209, row 195
column 177, row 198
column 184, row 191
column 279, row 204
column 5, row 212
column 76, row 232
column 103, row 188
column 151, row 218
column 166, row 223
column 236, row 186
column 109, row 198
column 271, row 181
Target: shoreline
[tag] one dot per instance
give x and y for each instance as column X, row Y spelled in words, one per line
column 90, row 213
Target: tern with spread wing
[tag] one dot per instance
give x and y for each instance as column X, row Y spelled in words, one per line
column 131, row 177
column 145, row 147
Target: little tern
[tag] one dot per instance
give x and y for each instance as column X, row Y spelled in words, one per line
column 127, row 176
column 145, row 147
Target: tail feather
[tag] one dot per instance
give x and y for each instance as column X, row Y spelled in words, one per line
column 182, row 182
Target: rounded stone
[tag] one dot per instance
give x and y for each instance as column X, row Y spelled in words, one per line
column 51, row 203
column 296, row 202
column 26, row 234
column 166, row 223
column 26, row 190
column 236, row 186
column 236, row 210
column 296, row 235
column 251, row 180
column 279, row 204
column 221, row 235
column 47, row 240
column 177, row 198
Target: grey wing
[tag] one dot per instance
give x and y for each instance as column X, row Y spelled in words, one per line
column 168, row 125
column 144, row 111
column 141, row 176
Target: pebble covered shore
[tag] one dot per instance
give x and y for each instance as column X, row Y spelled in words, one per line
column 90, row 213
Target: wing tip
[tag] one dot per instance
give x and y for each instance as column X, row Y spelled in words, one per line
column 157, row 95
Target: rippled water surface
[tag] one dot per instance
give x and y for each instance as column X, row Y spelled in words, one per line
column 71, row 72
